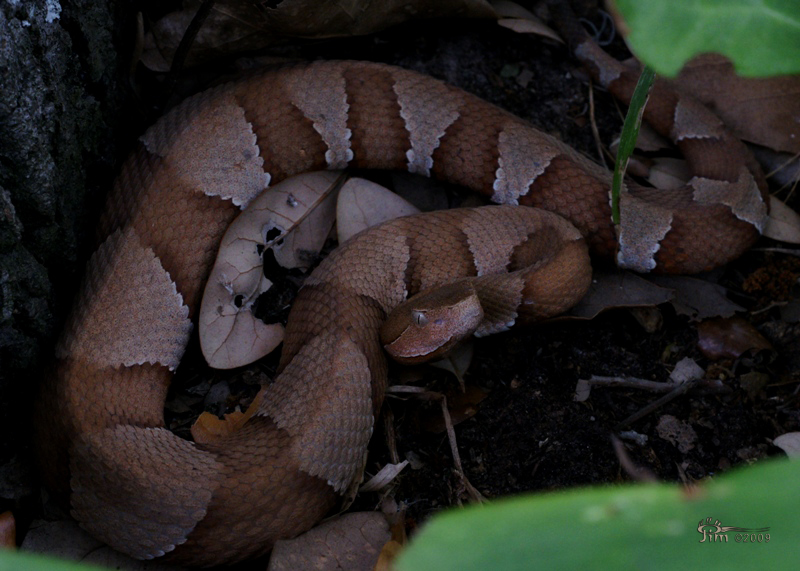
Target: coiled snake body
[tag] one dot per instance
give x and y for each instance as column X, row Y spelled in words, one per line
column 100, row 421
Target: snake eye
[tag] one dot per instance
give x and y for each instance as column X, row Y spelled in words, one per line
column 419, row 317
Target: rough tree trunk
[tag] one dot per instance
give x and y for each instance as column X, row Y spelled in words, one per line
column 60, row 98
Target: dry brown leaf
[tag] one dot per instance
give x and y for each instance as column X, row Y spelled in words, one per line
column 677, row 432
column 363, row 203
column 617, row 289
column 8, row 530
column 352, row 541
column 783, row 223
column 292, row 220
column 236, row 26
column 729, row 338
column 697, row 298
column 763, row 110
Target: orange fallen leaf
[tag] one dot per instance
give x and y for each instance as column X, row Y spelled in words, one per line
column 209, row 428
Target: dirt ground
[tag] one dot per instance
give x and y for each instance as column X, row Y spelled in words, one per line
column 528, row 433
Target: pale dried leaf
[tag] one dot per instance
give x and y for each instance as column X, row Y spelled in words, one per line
column 383, row 478
column 648, row 140
column 520, row 20
column 526, row 26
column 789, row 443
column 509, row 9
column 66, row 540
column 666, row 172
column 292, row 220
column 304, row 215
column 363, row 204
column 237, row 26
column 783, row 223
column 618, row 289
column 685, row 370
column 583, row 389
column 352, row 541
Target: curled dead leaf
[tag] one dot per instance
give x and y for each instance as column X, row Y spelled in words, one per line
column 520, row 20
column 292, row 221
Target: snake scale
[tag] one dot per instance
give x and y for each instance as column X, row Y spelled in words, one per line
column 100, row 427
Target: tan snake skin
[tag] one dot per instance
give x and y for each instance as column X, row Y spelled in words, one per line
column 100, row 421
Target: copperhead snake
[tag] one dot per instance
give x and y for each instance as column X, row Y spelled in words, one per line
column 100, row 428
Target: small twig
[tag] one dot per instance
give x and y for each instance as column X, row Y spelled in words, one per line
column 702, row 385
column 772, row 305
column 631, row 382
column 673, row 394
column 451, row 437
column 424, row 393
column 788, row 251
column 391, row 436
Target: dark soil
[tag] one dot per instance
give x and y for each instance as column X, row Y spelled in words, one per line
column 528, row 433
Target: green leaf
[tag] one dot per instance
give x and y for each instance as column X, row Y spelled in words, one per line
column 23, row 561
column 630, row 133
column 761, row 37
column 650, row 526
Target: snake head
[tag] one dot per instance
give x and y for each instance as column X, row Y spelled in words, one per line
column 428, row 325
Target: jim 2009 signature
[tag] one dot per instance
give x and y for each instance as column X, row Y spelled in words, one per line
column 714, row 532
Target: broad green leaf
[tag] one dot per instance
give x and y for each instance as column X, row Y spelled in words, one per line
column 762, row 37
column 647, row 526
column 23, row 561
